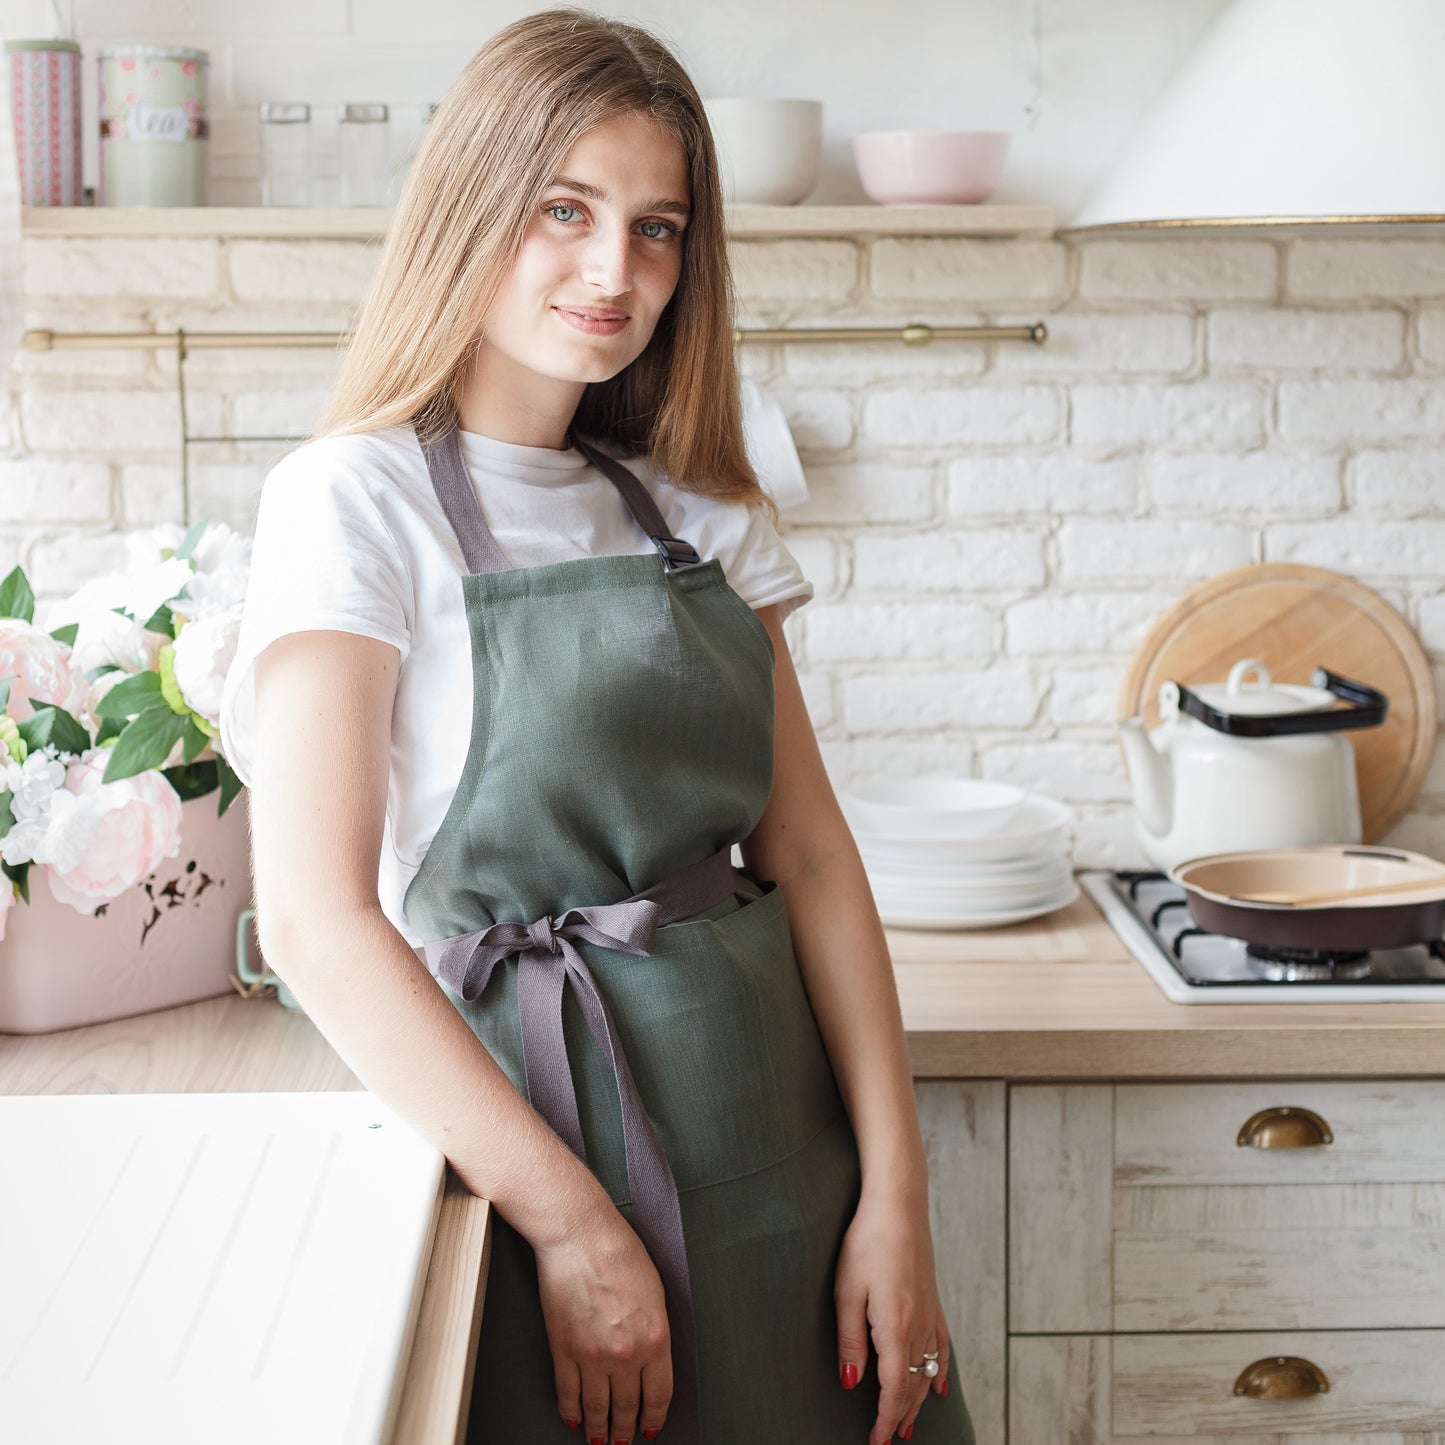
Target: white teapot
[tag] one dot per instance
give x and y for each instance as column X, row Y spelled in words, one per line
column 1248, row 765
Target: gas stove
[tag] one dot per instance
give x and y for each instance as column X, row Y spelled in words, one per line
column 1151, row 915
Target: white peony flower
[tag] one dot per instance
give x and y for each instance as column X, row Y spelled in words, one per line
column 32, row 783
column 22, row 842
column 104, row 638
column 204, row 652
column 147, row 545
column 148, row 588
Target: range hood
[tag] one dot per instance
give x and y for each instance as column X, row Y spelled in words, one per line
column 1292, row 113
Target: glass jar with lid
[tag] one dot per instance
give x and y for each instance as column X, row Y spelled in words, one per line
column 285, row 153
column 363, row 151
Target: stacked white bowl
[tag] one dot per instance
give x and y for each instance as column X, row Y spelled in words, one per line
column 955, row 853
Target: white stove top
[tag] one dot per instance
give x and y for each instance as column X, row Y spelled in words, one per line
column 1151, row 917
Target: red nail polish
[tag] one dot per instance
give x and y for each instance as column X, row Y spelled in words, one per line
column 597, row 1440
column 905, row 1432
column 848, row 1373
column 574, row 1424
column 943, row 1386
column 650, row 1434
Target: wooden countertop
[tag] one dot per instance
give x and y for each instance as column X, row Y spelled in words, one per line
column 1058, row 998
column 1062, row 998
column 233, row 1044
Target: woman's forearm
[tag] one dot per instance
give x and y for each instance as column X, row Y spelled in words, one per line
column 383, row 1013
column 843, row 958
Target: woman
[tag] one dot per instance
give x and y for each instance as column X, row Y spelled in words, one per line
column 553, row 822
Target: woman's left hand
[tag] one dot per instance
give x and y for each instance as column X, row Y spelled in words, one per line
column 886, row 1288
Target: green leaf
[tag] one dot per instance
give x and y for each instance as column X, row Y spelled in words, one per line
column 110, row 727
column 16, row 598
column 195, row 740
column 7, row 813
column 162, row 621
column 191, row 539
column 132, row 696
column 145, row 744
column 53, row 725
column 231, row 785
column 193, row 781
column 4, row 692
column 19, row 875
column 67, row 633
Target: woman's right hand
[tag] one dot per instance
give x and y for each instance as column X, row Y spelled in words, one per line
column 606, row 1319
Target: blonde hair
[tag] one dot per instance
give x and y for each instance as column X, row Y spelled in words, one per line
column 497, row 141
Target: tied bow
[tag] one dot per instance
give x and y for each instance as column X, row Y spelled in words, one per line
column 547, row 963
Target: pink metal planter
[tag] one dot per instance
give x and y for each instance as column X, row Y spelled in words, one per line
column 169, row 941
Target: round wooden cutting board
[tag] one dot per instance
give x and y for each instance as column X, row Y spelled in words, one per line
column 1293, row 619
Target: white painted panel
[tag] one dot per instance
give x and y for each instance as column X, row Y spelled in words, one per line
column 226, row 1267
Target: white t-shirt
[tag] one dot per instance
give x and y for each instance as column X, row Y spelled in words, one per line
column 350, row 537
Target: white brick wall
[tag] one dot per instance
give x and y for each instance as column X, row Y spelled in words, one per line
column 992, row 528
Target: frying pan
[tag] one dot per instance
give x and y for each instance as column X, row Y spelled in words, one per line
column 1224, row 897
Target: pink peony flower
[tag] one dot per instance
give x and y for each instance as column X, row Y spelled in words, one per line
column 38, row 668
column 105, row 837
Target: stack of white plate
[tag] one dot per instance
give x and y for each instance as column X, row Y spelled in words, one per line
column 957, row 853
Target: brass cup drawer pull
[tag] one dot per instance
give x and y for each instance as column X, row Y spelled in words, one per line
column 1285, row 1126
column 1285, row 1377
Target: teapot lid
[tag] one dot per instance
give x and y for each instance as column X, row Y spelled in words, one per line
column 1263, row 697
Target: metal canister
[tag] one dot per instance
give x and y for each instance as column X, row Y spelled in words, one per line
column 45, row 108
column 153, row 127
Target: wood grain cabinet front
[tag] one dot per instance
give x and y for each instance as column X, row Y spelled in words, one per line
column 1342, row 1387
column 1146, row 1220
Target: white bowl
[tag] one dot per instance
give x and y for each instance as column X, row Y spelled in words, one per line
column 769, row 151
column 948, row 808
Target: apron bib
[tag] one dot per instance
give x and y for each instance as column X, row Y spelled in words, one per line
column 586, row 922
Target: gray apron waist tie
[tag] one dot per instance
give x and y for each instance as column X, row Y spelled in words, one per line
column 547, row 961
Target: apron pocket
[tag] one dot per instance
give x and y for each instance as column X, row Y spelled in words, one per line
column 721, row 1040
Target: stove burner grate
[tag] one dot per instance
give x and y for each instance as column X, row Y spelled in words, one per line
column 1287, row 964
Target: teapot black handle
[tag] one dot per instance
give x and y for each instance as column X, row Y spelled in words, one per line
column 1367, row 709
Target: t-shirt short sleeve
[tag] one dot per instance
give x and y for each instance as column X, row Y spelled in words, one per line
column 323, row 560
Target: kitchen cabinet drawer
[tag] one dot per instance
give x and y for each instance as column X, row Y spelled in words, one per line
column 1384, row 1387
column 1167, row 1134
column 963, row 1123
column 1120, row 1219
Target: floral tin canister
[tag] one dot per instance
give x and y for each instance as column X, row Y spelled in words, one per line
column 152, row 126
column 45, row 108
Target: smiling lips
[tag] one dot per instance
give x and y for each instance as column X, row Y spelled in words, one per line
column 593, row 320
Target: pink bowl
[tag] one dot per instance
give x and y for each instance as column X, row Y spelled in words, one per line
column 930, row 167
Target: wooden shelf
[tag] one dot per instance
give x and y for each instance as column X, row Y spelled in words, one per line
column 361, row 223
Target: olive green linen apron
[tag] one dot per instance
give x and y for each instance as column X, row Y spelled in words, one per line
column 622, row 741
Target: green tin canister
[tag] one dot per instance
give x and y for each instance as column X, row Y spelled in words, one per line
column 153, row 128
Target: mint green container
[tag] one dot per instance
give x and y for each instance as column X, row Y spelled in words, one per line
column 153, row 127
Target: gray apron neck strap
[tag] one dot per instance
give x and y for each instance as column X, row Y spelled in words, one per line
column 454, row 491
column 480, row 551
column 675, row 552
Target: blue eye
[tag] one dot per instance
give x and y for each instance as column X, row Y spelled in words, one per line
column 658, row 230
column 571, row 211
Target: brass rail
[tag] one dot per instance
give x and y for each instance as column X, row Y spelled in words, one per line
column 183, row 343
column 914, row 334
